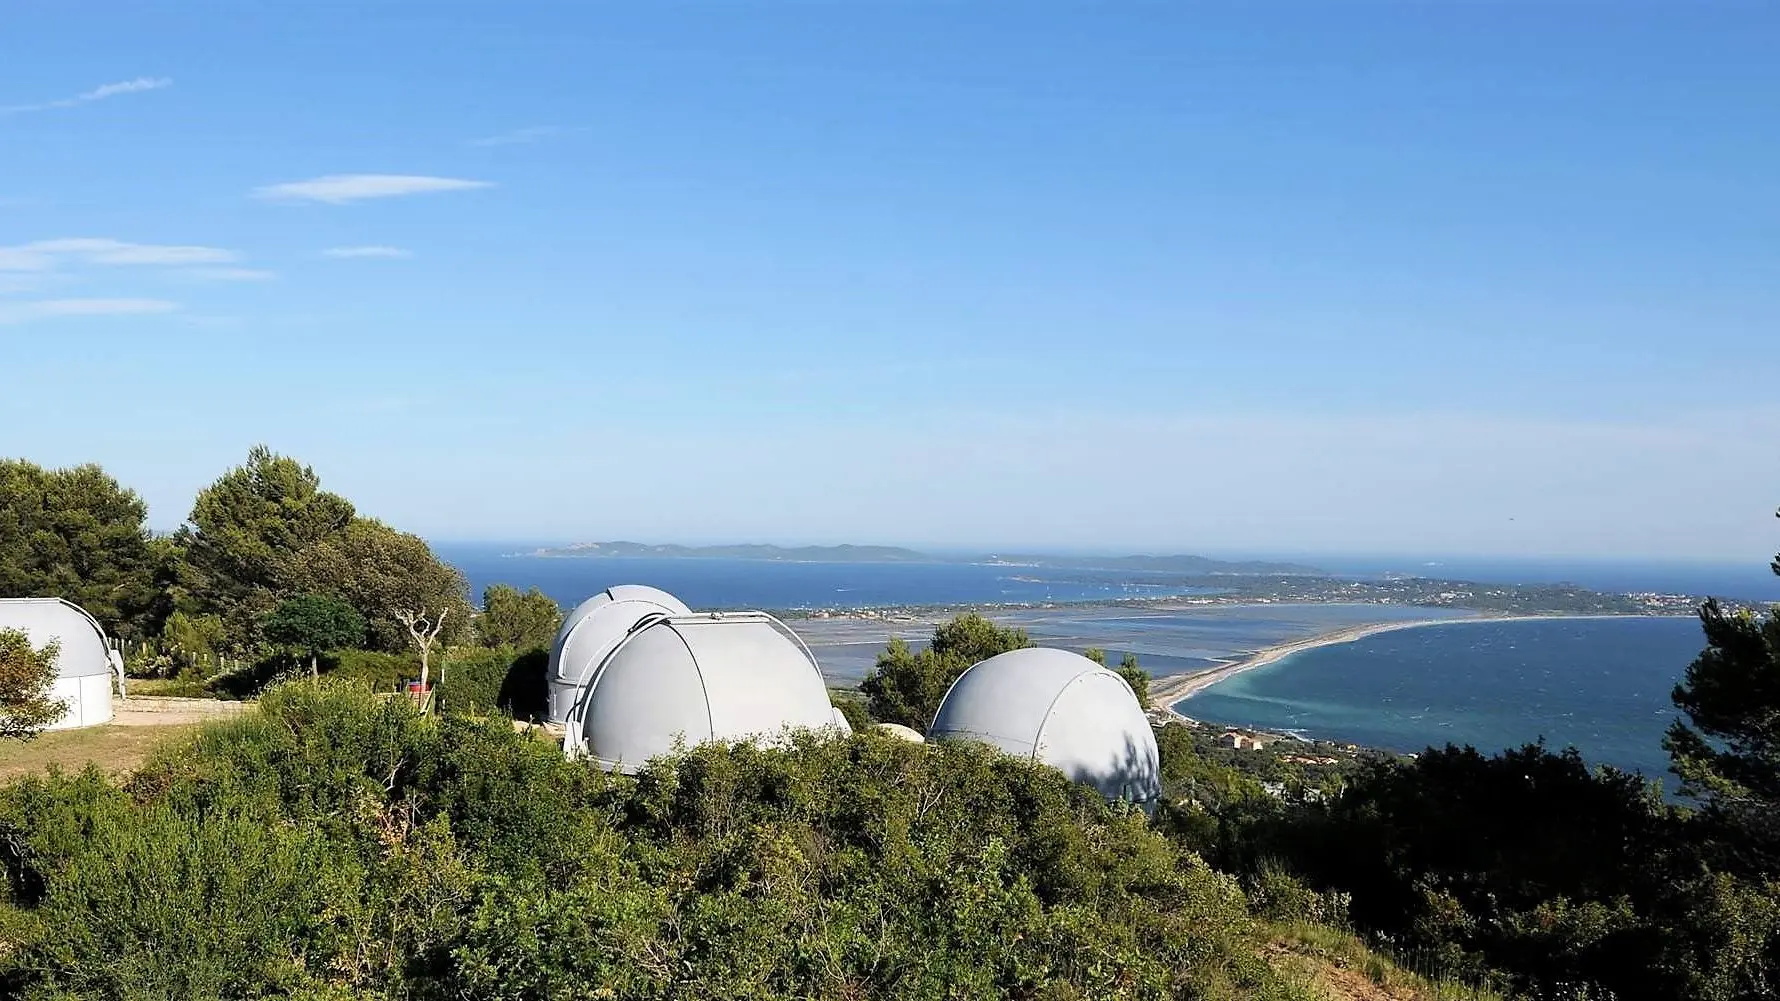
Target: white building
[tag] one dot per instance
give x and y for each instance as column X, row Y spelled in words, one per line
column 1060, row 709
column 592, row 630
column 85, row 664
column 697, row 678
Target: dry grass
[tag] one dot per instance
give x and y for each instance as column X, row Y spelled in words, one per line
column 1340, row 967
column 113, row 749
column 137, row 727
column 170, row 687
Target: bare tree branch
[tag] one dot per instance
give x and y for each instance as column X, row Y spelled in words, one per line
column 424, row 631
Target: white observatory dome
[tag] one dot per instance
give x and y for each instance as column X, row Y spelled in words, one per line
column 85, row 664
column 734, row 676
column 1061, row 709
column 900, row 732
column 592, row 630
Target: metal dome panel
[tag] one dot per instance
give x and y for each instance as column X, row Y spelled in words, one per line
column 85, row 652
column 741, row 676
column 591, row 631
column 649, row 694
column 1061, row 709
column 85, row 662
column 900, row 732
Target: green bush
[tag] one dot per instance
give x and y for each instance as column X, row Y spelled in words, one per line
column 337, row 844
column 1526, row 864
column 182, row 687
column 381, row 672
column 484, row 681
column 369, row 669
column 1277, row 895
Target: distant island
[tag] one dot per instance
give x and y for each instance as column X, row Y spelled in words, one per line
column 896, row 554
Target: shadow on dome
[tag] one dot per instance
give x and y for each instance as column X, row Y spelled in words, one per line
column 592, row 630
column 675, row 680
column 1057, row 708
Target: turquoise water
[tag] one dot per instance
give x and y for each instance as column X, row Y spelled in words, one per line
column 1601, row 685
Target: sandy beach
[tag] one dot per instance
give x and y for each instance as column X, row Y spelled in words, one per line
column 1165, row 692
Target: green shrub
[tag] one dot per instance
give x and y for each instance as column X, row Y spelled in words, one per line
column 1277, row 895
column 178, row 907
column 1526, row 868
column 338, row 844
column 484, row 681
column 182, row 687
column 381, row 672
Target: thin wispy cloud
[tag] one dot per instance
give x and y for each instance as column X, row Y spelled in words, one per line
column 47, row 255
column 519, row 137
column 28, row 268
column 230, row 274
column 50, row 309
column 340, row 189
column 100, row 93
column 389, row 253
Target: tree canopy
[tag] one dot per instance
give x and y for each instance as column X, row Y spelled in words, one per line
column 266, row 531
column 907, row 686
column 387, row 575
column 1136, row 677
column 249, row 533
column 312, row 624
column 26, row 674
column 523, row 621
column 76, row 534
column 1727, row 749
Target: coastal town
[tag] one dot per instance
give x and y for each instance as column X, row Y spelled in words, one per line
column 1413, row 592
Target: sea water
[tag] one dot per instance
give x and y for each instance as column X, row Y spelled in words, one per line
column 775, row 584
column 1601, row 685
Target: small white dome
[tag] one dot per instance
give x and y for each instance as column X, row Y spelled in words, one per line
column 593, row 629
column 84, row 649
column 85, row 661
column 900, row 732
column 1061, row 709
column 736, row 676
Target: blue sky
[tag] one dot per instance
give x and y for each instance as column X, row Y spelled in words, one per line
column 1453, row 278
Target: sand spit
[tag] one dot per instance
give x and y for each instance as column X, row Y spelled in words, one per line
column 1165, row 692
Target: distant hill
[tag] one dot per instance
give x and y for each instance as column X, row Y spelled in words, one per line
column 895, row 554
